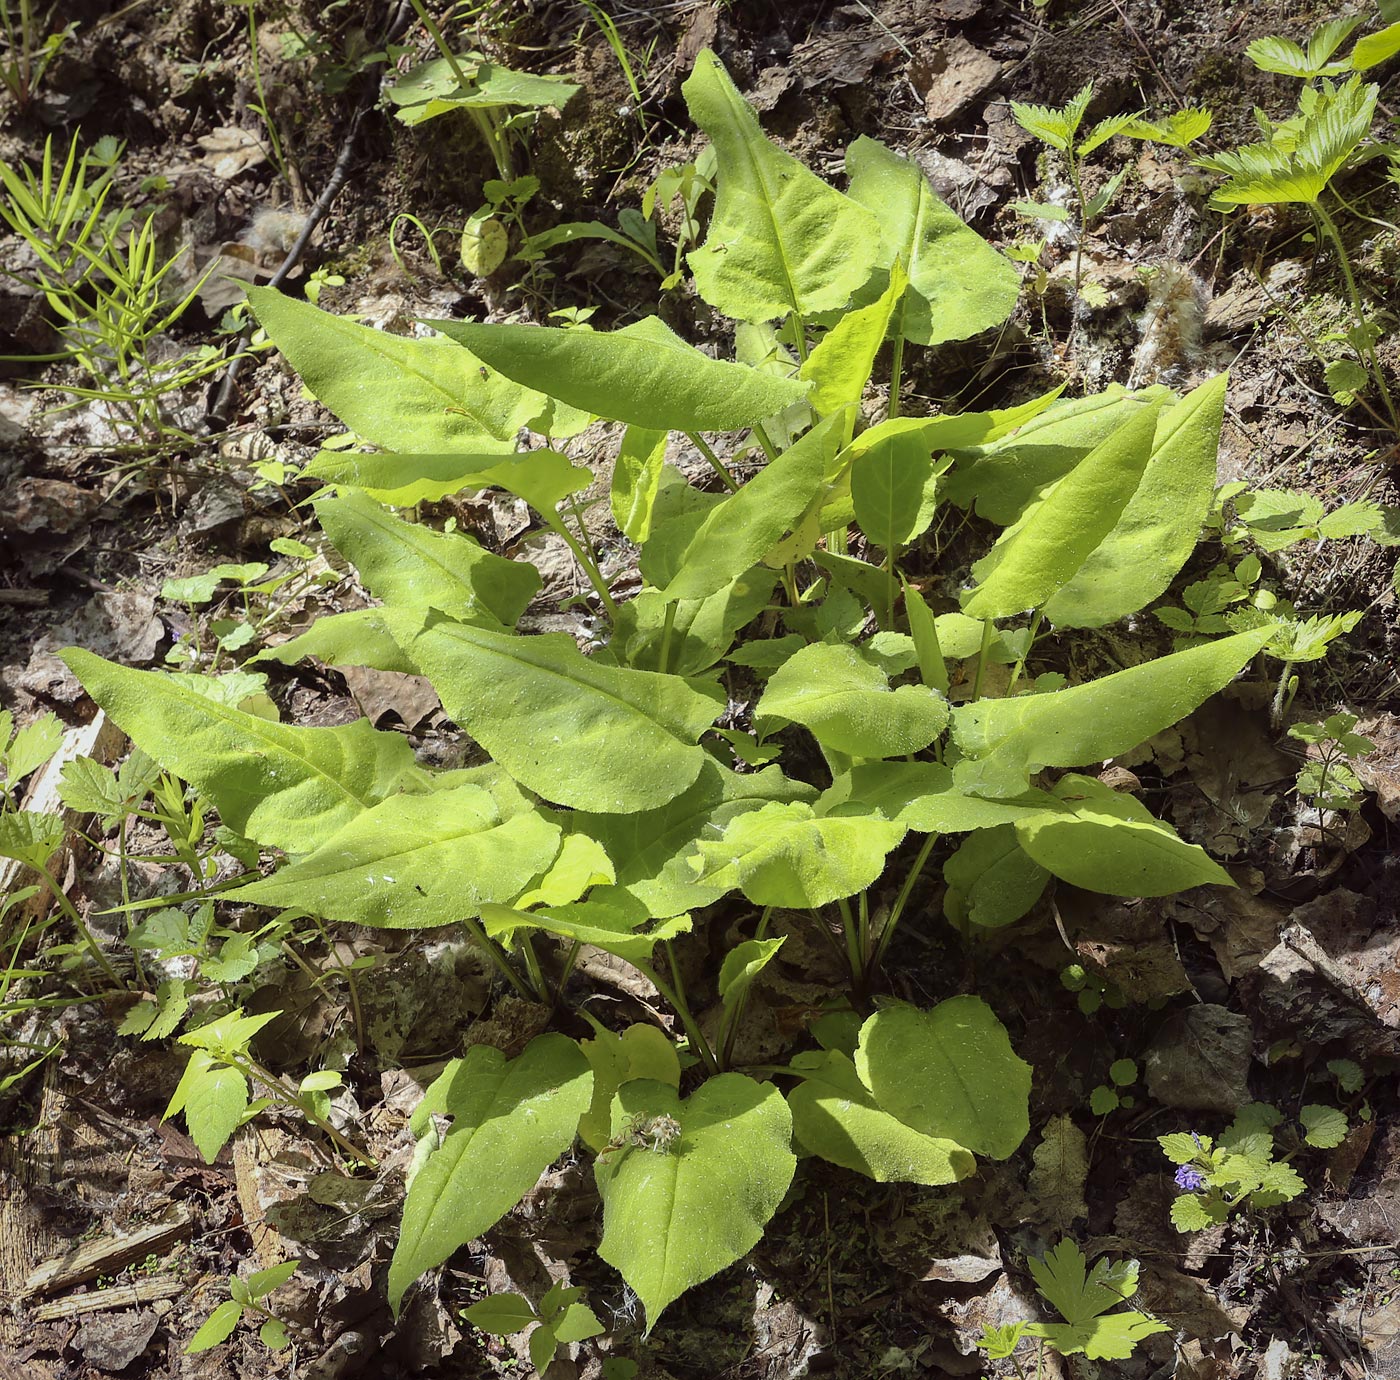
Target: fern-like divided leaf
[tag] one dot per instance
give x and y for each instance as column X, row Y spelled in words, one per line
column 1327, row 133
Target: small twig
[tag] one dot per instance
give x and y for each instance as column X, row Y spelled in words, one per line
column 218, row 415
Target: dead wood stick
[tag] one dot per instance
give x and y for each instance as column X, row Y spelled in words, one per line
column 108, row 1254
column 104, row 1300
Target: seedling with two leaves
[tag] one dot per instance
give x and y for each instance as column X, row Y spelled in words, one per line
column 558, row 1320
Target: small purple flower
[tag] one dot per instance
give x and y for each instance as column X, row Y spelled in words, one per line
column 1197, row 1139
column 1190, row 1180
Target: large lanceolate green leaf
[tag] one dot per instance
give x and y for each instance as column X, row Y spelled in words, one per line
column 608, row 920
column 835, row 1116
column 848, row 704
column 780, row 239
column 1041, row 553
column 289, row 788
column 412, row 566
column 1110, row 842
column 577, row 732
column 840, row 363
column 416, row 860
column 784, row 854
column 958, row 284
column 644, row 374
column 922, row 797
column 651, row 848
column 1002, row 475
column 511, row 1120
column 396, row 392
column 697, row 553
column 355, row 638
column 543, row 478
column 674, row 1216
column 949, row 1072
column 1158, row 529
column 1005, row 742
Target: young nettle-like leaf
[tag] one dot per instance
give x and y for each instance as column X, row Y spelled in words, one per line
column 1178, row 131
column 948, row 1073
column 643, row 374
column 511, row 1120
column 415, row 861
column 849, row 706
column 289, row 788
column 675, row 1215
column 835, row 1115
column 1005, row 742
column 1083, row 1298
column 780, row 240
column 31, row 837
column 958, row 284
column 579, row 733
column 1057, row 128
column 394, row 391
column 1290, row 59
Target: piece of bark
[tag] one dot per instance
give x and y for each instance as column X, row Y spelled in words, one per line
column 108, row 1254
column 105, row 1300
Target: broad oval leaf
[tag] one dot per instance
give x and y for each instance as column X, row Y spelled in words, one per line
column 923, row 797
column 780, row 239
column 414, row 861
column 1004, row 742
column 958, row 284
column 290, row 788
column 673, row 1218
column 640, row 1051
column 992, row 880
column 1110, row 842
column 394, row 391
column 1157, row 531
column 511, row 1120
column 579, row 733
column 835, row 1116
column 412, row 566
column 644, row 374
column 1051, row 541
column 784, row 854
column 697, row 553
column 894, row 488
column 543, row 477
column 949, row 1072
column 848, row 704
column 651, row 848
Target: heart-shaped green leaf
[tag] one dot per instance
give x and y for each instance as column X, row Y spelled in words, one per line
column 949, row 1072
column 511, row 1120
column 675, row 1216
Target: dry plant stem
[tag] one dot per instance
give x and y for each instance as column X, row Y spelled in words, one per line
column 71, row 911
column 1329, row 228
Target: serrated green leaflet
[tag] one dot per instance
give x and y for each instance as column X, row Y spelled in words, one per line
column 543, row 478
column 411, row 566
column 1111, row 843
column 1005, row 742
column 849, row 706
column 675, row 1217
column 835, row 1116
column 697, row 553
column 1159, row 528
column 958, row 284
column 578, row 733
column 950, row 1073
column 780, row 239
column 396, row 392
column 289, row 788
column 511, row 1120
column 784, row 854
column 643, row 374
column 31, row 837
column 1050, row 542
column 414, row 861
